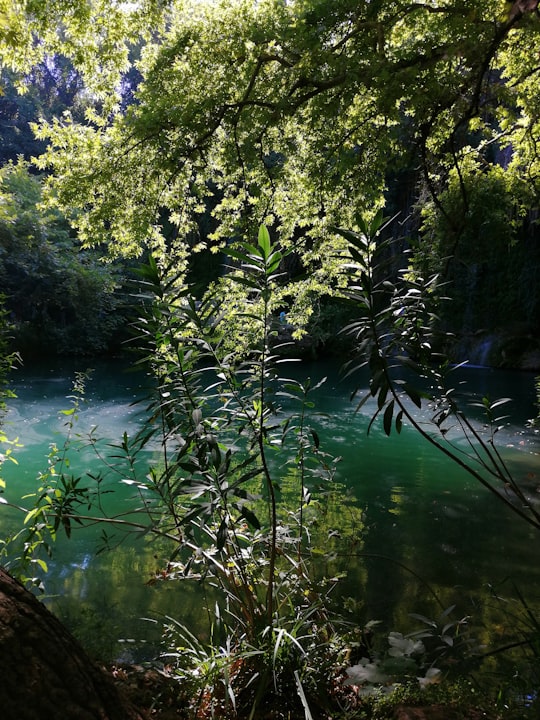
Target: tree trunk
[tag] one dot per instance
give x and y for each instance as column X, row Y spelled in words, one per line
column 44, row 672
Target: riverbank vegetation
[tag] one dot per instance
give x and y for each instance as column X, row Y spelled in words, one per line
column 242, row 499
column 220, row 175
column 145, row 146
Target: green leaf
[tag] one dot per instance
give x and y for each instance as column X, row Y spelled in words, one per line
column 376, row 381
column 353, row 237
column 362, row 224
column 245, row 281
column 42, row 564
column 264, row 241
column 413, row 394
column 237, row 255
column 447, row 611
column 362, row 401
column 376, row 224
column 251, row 518
column 383, row 392
column 501, row 401
column 32, row 514
column 274, row 260
column 221, row 535
column 387, row 418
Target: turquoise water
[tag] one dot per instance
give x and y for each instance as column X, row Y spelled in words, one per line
column 430, row 528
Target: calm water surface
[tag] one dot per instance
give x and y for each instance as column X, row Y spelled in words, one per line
column 429, row 527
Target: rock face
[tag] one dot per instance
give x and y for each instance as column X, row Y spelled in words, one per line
column 515, row 346
column 44, row 672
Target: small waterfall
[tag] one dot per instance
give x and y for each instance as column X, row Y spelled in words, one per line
column 481, row 352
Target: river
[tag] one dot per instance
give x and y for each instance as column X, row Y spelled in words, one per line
column 429, row 527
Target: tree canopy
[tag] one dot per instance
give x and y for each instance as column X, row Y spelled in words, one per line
column 294, row 117
column 295, row 113
column 95, row 35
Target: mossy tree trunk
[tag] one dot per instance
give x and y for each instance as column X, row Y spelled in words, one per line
column 45, row 673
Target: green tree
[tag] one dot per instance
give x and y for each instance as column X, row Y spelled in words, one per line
column 481, row 246
column 296, row 116
column 95, row 35
column 243, row 116
column 59, row 300
column 48, row 89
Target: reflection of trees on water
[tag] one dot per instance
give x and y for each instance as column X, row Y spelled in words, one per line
column 109, row 607
column 430, row 529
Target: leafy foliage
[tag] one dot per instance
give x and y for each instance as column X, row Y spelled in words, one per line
column 397, row 337
column 236, row 126
column 236, row 491
column 95, row 35
column 243, row 116
column 475, row 241
column 59, row 299
column 184, row 121
column 55, row 505
column 425, row 656
column 292, row 118
column 50, row 88
column 235, row 494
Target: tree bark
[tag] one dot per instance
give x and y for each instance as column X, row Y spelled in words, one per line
column 44, row 671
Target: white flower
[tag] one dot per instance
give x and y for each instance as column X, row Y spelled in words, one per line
column 400, row 646
column 365, row 672
column 432, row 677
